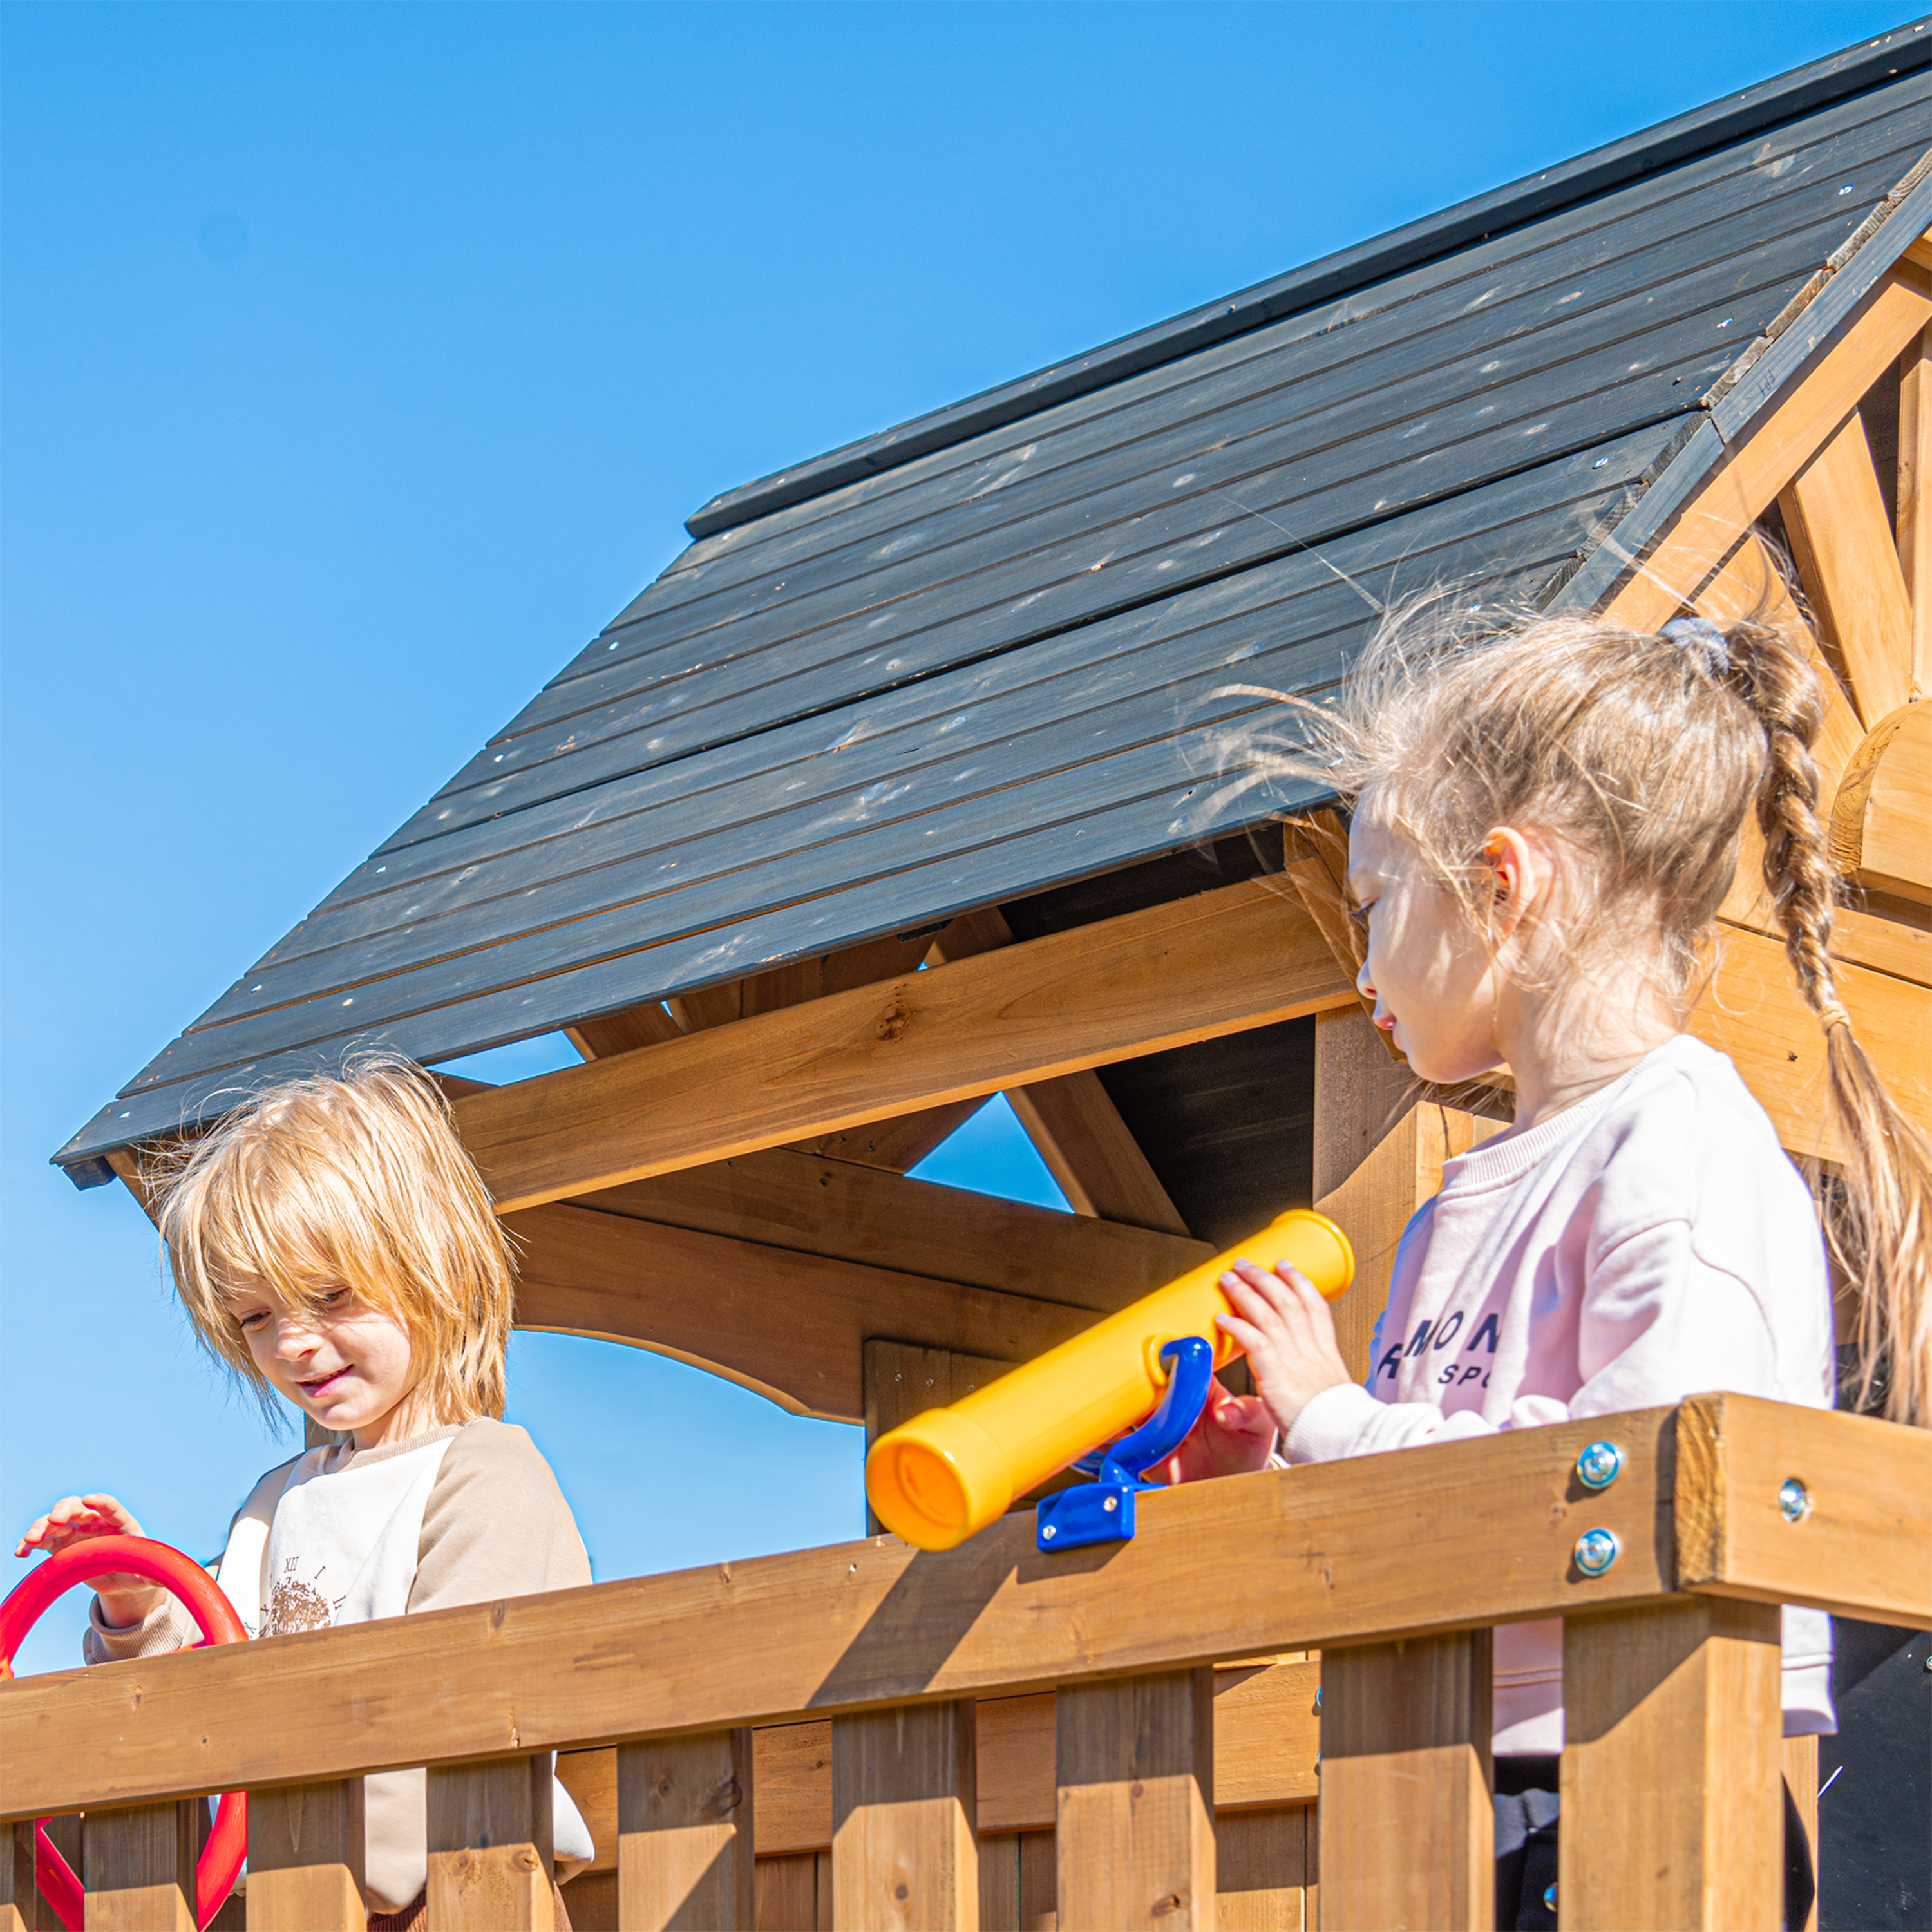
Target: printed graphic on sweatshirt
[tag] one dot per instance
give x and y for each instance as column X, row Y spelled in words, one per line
column 1468, row 1366
column 297, row 1604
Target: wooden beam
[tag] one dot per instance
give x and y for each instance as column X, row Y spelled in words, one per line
column 1915, row 502
column 1897, row 311
column 1885, row 945
column 1671, row 1814
column 791, row 1326
column 785, row 1199
column 684, row 1834
column 650, row 1025
column 1195, row 969
column 1073, row 1120
column 305, row 1858
column 1360, row 1093
column 904, row 1858
column 1408, row 1834
column 19, row 1910
column 1841, row 538
column 895, row 1146
column 489, row 1828
column 1134, row 1836
column 1881, row 817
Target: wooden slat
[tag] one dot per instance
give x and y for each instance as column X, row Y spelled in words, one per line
column 1884, row 806
column 1039, row 1874
column 1357, row 1549
column 1134, row 1839
column 1867, row 1530
column 1671, row 1819
column 1896, row 311
column 685, row 1813
column 1915, row 502
column 1360, row 1093
column 999, row 1882
column 787, row 1890
column 1799, row 1757
column 1407, row 1833
column 19, row 1911
column 305, row 1854
column 1752, row 1011
column 792, row 1774
column 1260, row 1871
column 849, row 1212
column 489, row 1846
column 649, row 1025
column 1841, row 538
column 139, row 1868
column 904, row 1858
column 792, row 1326
column 1193, row 970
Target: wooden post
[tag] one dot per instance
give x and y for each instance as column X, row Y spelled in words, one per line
column 1915, row 503
column 902, row 1380
column 1672, row 1818
column 17, row 1909
column 138, row 1866
column 1134, row 1831
column 1408, row 1834
column 305, row 1858
column 684, row 1835
column 904, row 1858
column 1360, row 1092
column 490, row 1846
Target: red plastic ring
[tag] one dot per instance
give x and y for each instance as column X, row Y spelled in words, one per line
column 221, row 1858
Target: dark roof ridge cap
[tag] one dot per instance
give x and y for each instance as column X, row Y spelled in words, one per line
column 1850, row 71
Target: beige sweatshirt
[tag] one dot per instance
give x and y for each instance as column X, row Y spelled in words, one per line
column 466, row 1513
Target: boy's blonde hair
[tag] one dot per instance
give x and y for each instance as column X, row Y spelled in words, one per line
column 1640, row 754
column 358, row 1182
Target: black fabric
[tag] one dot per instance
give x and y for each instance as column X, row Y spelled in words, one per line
column 1528, row 1812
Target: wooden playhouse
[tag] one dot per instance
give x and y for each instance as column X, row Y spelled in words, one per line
column 939, row 700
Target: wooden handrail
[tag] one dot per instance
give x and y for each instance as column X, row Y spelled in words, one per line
column 1460, row 1536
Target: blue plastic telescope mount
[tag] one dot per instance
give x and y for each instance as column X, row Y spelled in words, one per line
column 1103, row 1511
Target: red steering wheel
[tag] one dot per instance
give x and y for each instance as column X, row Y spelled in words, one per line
column 227, row 1847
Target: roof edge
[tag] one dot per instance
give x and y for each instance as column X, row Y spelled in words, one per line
column 1905, row 49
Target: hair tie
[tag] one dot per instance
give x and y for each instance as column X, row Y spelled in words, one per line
column 1831, row 1014
column 1704, row 638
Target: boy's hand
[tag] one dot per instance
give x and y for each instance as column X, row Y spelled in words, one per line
column 124, row 1599
column 1235, row 1434
column 1288, row 1331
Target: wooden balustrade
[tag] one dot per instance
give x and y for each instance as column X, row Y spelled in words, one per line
column 901, row 1700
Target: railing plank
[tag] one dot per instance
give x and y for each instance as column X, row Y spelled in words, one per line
column 305, row 1851
column 1671, row 1815
column 685, row 1810
column 139, row 1868
column 904, row 1858
column 490, row 1846
column 18, row 1911
column 1260, row 1870
column 1134, row 1838
column 1408, row 1833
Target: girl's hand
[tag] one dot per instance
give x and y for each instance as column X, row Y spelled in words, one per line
column 124, row 1599
column 1235, row 1434
column 1288, row 1331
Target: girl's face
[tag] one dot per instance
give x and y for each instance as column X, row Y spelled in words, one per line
column 347, row 1364
column 1434, row 984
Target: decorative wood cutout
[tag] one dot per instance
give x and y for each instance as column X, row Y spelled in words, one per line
column 1883, row 816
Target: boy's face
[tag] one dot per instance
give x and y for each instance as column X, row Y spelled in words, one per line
column 345, row 1364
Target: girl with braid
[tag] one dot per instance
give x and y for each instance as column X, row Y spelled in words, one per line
column 1545, row 822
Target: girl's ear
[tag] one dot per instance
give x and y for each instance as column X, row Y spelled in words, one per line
column 1521, row 870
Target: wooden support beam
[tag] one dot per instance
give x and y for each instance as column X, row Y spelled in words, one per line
column 1914, row 501
column 685, row 1833
column 489, row 1846
column 138, row 1866
column 1841, row 538
column 1672, row 1817
column 782, row 1198
column 1408, row 1835
column 1134, row 1838
column 19, row 1900
column 649, row 1025
column 904, row 1855
column 1195, row 969
column 305, row 1858
column 1883, row 813
column 1360, row 1093
column 895, row 1146
column 1787, row 436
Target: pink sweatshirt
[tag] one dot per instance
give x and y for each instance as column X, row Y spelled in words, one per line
column 1651, row 1242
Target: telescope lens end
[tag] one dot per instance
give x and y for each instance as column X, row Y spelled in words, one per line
column 937, row 1480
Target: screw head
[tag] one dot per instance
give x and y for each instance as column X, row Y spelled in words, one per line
column 1596, row 1550
column 1110, row 1502
column 1599, row 1465
column 1794, row 1500
column 1047, row 1534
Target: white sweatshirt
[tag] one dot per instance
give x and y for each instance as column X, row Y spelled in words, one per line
column 1651, row 1242
column 462, row 1514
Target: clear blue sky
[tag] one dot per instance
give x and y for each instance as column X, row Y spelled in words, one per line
column 359, row 362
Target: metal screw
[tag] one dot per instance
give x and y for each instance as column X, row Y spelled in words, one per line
column 1047, row 1534
column 1599, row 1465
column 1596, row 1550
column 1794, row 1500
column 1110, row 1502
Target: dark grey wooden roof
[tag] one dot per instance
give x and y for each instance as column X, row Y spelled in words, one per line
column 973, row 658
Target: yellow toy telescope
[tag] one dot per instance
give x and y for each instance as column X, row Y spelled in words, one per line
column 945, row 1475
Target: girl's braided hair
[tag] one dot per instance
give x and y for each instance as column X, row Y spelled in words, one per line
column 1640, row 753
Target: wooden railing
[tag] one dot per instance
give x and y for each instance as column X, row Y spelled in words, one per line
column 1396, row 1567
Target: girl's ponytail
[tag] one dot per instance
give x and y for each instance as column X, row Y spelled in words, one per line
column 1879, row 1215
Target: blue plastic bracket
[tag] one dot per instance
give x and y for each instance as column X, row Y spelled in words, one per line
column 1103, row 1511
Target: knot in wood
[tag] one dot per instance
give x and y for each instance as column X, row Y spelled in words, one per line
column 902, row 1892
column 1167, row 1905
column 725, row 1799
column 894, row 1021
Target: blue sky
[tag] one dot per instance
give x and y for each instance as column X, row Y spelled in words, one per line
column 359, row 362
